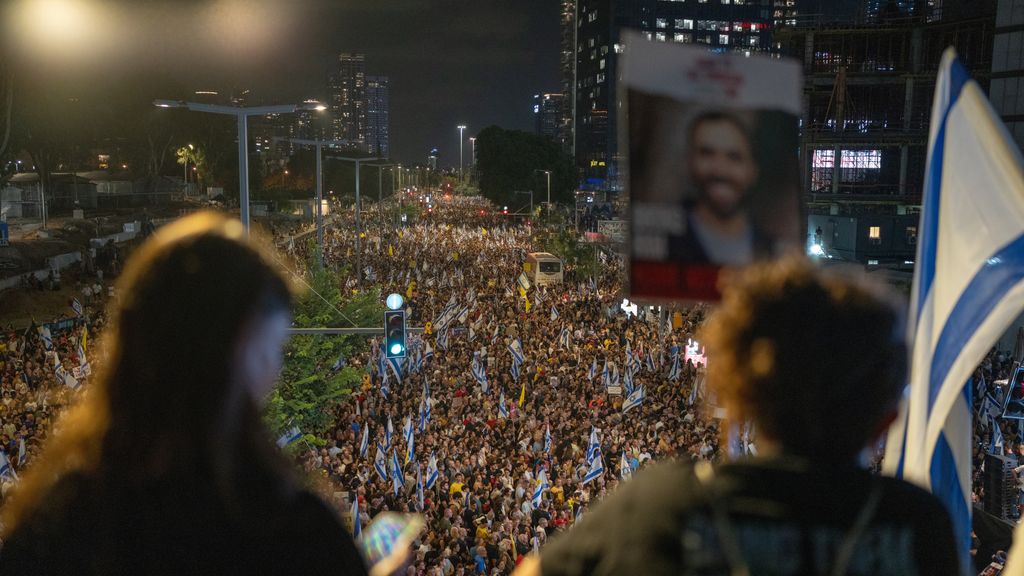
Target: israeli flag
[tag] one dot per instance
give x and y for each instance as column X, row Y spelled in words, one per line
column 614, row 381
column 410, row 440
column 5, row 467
column 650, row 362
column 516, row 349
column 424, row 414
column 547, row 439
column 442, row 339
column 428, row 353
column 625, row 470
column 593, row 370
column 44, row 333
column 364, row 444
column 593, row 446
column 357, row 529
column 290, row 435
column 396, row 368
column 596, row 469
column 635, row 399
column 605, row 378
column 968, row 287
column 397, row 479
column 538, row 492
column 389, row 431
column 432, row 472
column 676, row 371
column 479, row 372
column 419, row 489
column 627, row 382
column 380, row 463
column 996, row 436
column 502, row 407
column 77, row 307
column 22, row 453
column 515, row 371
column 554, row 313
column 80, row 352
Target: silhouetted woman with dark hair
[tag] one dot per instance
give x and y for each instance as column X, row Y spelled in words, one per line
column 165, row 467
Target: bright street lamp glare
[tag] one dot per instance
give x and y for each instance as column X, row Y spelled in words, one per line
column 396, row 348
column 320, row 108
column 168, row 103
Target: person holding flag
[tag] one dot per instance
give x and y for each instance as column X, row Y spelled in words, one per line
column 769, row 349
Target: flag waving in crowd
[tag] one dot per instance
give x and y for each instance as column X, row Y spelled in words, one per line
column 968, row 286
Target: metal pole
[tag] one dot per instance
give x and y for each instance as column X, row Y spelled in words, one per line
column 243, row 170
column 548, row 174
column 319, row 205
column 359, row 250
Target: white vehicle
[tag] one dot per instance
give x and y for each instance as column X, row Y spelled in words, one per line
column 543, row 268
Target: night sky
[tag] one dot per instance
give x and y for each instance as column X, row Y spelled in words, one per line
column 449, row 61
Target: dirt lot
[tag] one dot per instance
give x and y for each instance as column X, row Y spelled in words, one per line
column 18, row 307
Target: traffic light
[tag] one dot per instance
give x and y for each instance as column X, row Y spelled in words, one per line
column 394, row 333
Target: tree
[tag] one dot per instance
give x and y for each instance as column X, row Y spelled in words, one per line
column 311, row 388
column 510, row 161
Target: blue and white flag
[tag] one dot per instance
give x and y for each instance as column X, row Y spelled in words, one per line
column 635, row 399
column 442, row 339
column 289, row 436
column 5, row 467
column 410, row 439
column 547, row 439
column 697, row 383
column 650, row 362
column 339, row 363
column 364, row 444
column 428, row 352
column 605, row 376
column 424, row 414
column 77, row 307
column 22, row 453
column 44, row 334
column 380, row 463
column 554, row 313
column 968, row 287
column 516, row 350
column 593, row 445
column 502, row 407
column 538, row 491
column 614, row 380
column 625, row 470
column 396, row 368
column 996, row 437
column 676, row 371
column 479, row 372
column 593, row 370
column 357, row 528
column 596, row 469
column 389, row 431
column 432, row 472
column 627, row 382
column 420, row 502
column 514, row 370
column 397, row 478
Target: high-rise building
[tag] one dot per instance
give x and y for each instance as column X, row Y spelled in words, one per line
column 378, row 123
column 567, row 64
column 347, row 88
column 1007, row 89
column 864, row 133
column 547, row 115
column 718, row 26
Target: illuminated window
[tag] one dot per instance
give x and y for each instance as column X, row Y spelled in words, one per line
column 684, row 23
column 618, row 48
column 875, row 234
column 723, row 39
column 755, row 41
column 866, row 159
column 601, row 66
column 912, row 235
column 660, row 37
column 661, row 23
column 683, row 38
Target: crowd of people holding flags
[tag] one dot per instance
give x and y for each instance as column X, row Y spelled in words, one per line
column 42, row 368
column 517, row 407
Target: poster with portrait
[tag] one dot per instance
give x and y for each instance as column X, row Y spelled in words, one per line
column 710, row 143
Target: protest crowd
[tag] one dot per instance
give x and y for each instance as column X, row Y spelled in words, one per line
column 515, row 409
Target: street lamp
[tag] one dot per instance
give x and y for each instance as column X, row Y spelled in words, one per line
column 548, row 174
column 359, row 251
column 462, row 129
column 472, row 142
column 319, row 144
column 242, row 115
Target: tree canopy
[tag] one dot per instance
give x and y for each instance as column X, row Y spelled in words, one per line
column 513, row 160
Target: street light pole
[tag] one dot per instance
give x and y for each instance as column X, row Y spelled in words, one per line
column 472, row 150
column 462, row 129
column 359, row 230
column 319, row 210
column 241, row 114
